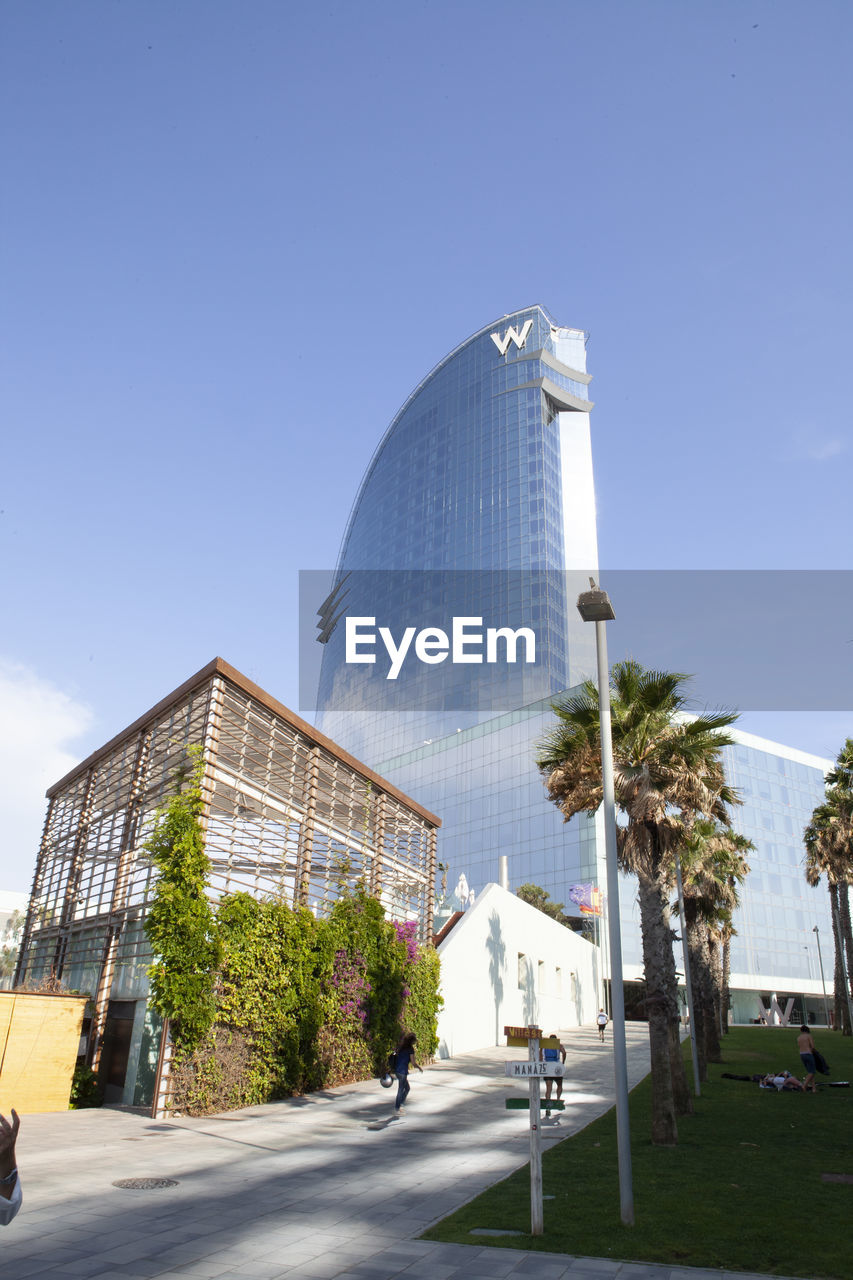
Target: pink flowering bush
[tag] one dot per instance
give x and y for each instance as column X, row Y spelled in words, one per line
column 407, row 934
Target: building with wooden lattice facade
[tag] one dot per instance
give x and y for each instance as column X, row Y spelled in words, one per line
column 287, row 814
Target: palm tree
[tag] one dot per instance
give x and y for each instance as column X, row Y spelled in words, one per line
column 839, row 783
column 667, row 768
column 713, row 866
column 829, row 851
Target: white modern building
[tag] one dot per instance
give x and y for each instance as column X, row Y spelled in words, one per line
column 503, row 963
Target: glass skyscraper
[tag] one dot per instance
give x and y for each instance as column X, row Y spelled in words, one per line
column 481, row 493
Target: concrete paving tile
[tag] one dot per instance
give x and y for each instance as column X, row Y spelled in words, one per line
column 359, row 1275
column 477, row 1275
column 498, row 1266
column 177, row 1257
column 580, row 1274
column 143, row 1267
column 503, row 1255
column 382, row 1272
column 273, row 1248
column 300, row 1257
column 259, row 1270
column 647, row 1271
column 377, row 1236
column 126, row 1271
column 396, row 1254
column 319, row 1270
column 542, row 1270
column 187, row 1275
column 82, row 1267
column 23, row 1267
column 201, row 1268
column 429, row 1270
column 595, row 1266
column 51, row 1257
column 438, row 1251
column 736, row 1275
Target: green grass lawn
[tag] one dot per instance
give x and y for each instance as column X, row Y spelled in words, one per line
column 742, row 1190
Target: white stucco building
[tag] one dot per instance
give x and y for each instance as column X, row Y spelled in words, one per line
column 505, row 963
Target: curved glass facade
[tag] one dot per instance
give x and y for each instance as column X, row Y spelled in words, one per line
column 468, row 475
column 486, row 467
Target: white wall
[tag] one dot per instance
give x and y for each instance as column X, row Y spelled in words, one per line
column 480, row 974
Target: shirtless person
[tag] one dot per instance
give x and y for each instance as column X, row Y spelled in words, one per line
column 806, row 1046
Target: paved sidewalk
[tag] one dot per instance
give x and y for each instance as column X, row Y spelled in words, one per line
column 322, row 1187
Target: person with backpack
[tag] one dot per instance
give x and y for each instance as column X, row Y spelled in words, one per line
column 553, row 1056
column 601, row 1019
column 403, row 1058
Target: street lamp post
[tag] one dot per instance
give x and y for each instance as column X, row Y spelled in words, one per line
column 816, row 933
column 594, row 606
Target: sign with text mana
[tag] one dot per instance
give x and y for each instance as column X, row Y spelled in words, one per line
column 464, row 644
column 544, row 1070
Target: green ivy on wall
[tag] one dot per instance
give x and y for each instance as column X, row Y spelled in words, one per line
column 180, row 923
column 264, row 999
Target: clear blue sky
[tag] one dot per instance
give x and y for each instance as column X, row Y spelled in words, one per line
column 235, row 237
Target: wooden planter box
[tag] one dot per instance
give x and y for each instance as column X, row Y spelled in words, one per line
column 39, row 1040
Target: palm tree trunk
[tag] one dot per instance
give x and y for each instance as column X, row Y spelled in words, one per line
column 727, row 971
column 699, row 1011
column 715, row 979
column 847, row 935
column 680, row 1089
column 842, row 1015
column 657, row 945
column 709, row 1028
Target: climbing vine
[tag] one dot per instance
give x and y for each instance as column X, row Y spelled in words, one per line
column 180, row 923
column 264, row 999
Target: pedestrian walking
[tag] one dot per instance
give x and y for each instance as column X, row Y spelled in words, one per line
column 10, row 1185
column 404, row 1058
column 601, row 1019
column 553, row 1055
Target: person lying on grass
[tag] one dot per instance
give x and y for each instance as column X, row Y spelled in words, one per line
column 782, row 1080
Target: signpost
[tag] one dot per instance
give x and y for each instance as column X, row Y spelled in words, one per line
column 532, row 1038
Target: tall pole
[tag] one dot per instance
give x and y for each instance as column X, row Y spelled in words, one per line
column 536, row 1214
column 816, row 933
column 617, row 993
column 688, row 985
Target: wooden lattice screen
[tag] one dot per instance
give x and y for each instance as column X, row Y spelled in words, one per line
column 287, row 814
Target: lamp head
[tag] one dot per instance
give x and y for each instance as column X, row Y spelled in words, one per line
column 595, row 606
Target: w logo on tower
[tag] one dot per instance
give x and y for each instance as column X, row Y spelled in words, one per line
column 511, row 335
